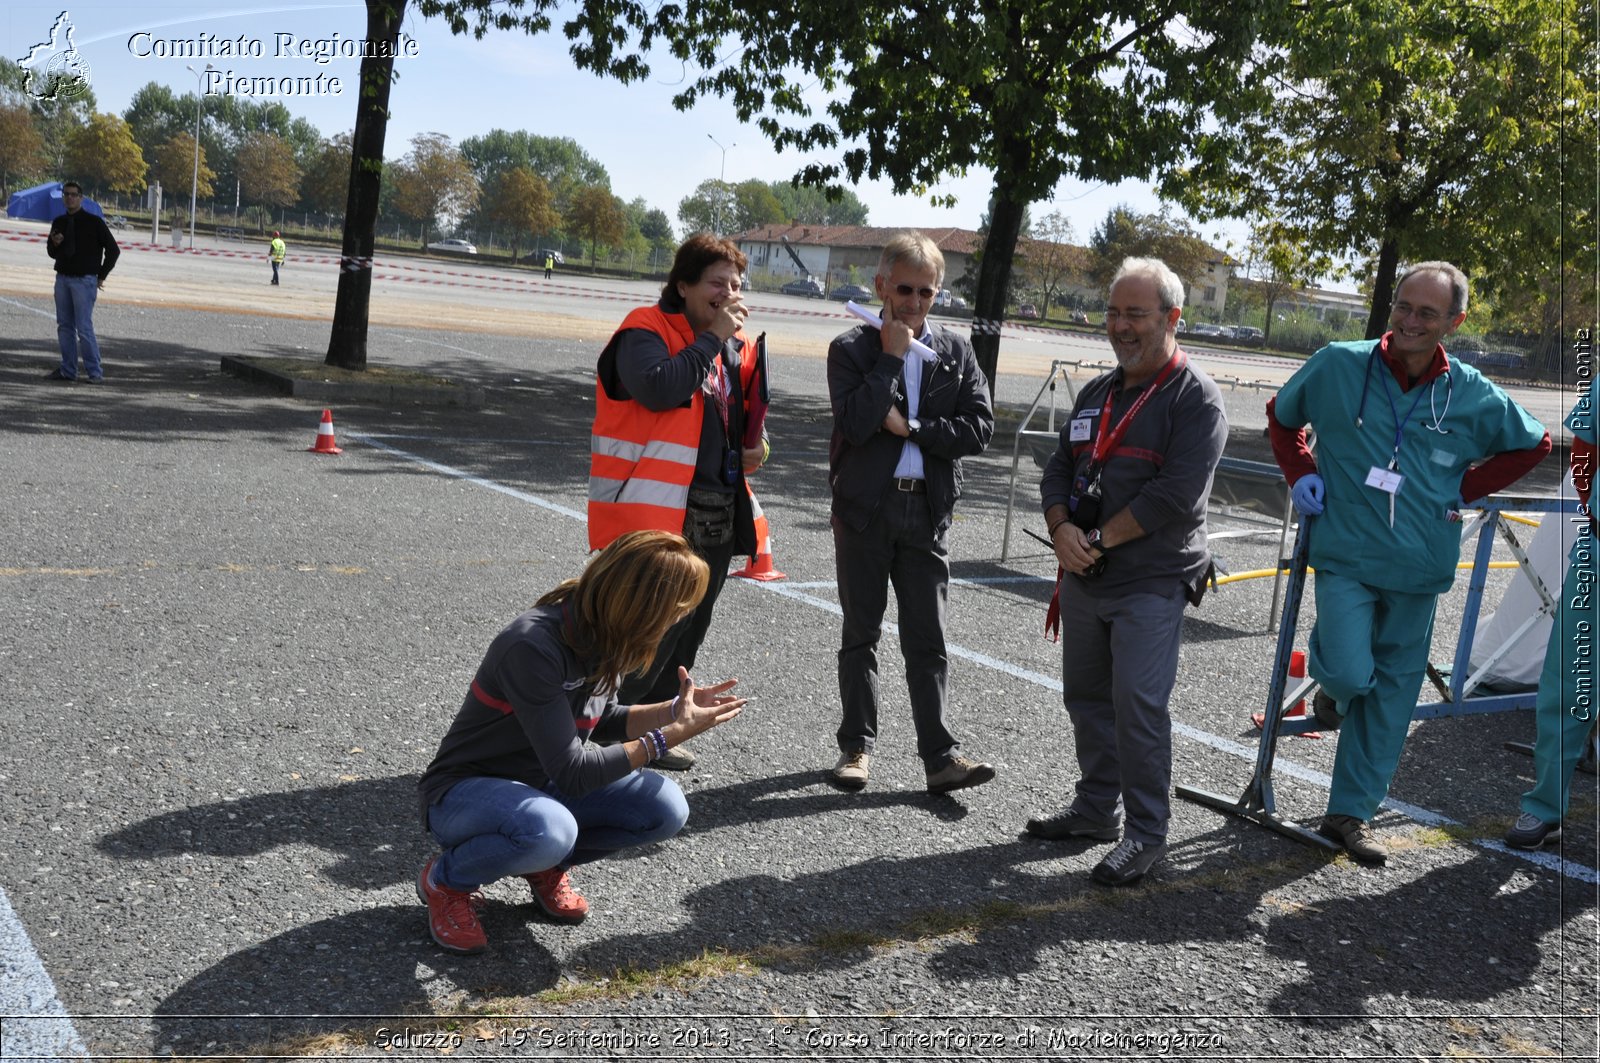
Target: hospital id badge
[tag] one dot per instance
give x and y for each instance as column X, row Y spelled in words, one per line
column 1080, row 430
column 730, row 465
column 1386, row 480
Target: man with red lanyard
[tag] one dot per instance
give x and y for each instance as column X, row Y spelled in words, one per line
column 1125, row 503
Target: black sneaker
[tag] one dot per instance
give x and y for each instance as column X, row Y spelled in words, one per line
column 1531, row 832
column 56, row 374
column 1071, row 824
column 1326, row 710
column 1128, row 862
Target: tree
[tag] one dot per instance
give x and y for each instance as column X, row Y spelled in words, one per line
column 327, row 175
column 174, row 167
column 1407, row 132
column 268, row 175
column 102, row 155
column 519, row 200
column 1049, row 258
column 1034, row 92
column 560, row 161
column 709, row 208
column 808, row 205
column 156, row 115
column 1126, row 233
column 434, row 182
column 55, row 120
column 597, row 216
column 753, row 205
column 21, row 147
column 1280, row 260
column 656, row 227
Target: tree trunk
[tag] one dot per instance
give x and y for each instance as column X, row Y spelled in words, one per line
column 989, row 309
column 347, row 345
column 1383, row 287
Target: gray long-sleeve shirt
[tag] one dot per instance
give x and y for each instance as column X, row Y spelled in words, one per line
column 529, row 715
column 1161, row 472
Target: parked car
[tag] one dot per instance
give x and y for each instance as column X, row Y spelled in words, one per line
column 1080, row 318
column 1502, row 360
column 453, row 247
column 1028, row 312
column 117, row 221
column 1215, row 332
column 1248, row 334
column 847, row 292
column 805, row 287
column 536, row 258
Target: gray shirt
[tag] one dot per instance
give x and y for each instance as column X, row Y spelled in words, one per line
column 1160, row 471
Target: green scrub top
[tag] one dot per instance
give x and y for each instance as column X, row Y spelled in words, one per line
column 1458, row 418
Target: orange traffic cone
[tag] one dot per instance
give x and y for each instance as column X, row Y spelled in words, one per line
column 1297, row 670
column 325, row 443
column 759, row 566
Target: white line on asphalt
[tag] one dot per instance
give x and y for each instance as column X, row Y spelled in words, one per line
column 37, row 1025
column 1426, row 817
column 473, row 440
column 25, row 306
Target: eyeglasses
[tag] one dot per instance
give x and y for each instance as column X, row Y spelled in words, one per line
column 1425, row 314
column 73, row 195
column 903, row 290
column 1134, row 316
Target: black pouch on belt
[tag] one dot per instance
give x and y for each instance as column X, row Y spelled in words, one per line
column 708, row 520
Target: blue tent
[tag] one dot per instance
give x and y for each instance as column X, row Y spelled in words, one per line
column 44, row 203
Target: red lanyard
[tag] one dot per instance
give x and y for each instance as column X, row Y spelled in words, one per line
column 718, row 383
column 1104, row 442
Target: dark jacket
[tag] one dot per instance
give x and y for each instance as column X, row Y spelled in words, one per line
column 88, row 237
column 954, row 414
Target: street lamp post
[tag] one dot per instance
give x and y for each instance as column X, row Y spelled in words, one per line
column 194, row 182
column 722, row 178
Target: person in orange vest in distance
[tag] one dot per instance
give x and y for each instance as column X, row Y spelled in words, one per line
column 666, row 447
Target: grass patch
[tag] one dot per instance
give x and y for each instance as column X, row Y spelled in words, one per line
column 306, row 369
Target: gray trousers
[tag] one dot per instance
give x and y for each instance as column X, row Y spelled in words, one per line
column 1119, row 662
column 899, row 547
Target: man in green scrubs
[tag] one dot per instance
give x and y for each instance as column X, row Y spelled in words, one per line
column 1399, row 425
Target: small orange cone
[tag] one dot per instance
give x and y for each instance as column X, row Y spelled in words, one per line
column 1297, row 670
column 759, row 566
column 325, row 443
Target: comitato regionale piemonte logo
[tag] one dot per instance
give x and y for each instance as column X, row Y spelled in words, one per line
column 54, row 69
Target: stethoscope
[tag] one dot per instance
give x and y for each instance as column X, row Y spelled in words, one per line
column 1433, row 391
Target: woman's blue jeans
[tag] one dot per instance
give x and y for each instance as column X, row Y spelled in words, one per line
column 494, row 828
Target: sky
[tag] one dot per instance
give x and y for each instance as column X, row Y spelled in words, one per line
column 463, row 87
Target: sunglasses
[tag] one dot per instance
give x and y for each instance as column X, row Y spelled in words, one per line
column 903, row 290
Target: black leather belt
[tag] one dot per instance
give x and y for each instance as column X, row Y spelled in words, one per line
column 910, row 486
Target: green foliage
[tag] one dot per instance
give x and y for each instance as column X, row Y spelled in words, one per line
column 711, row 208
column 22, row 157
column 434, row 182
column 325, row 186
column 174, row 167
column 809, row 205
column 519, row 200
column 754, row 205
column 267, row 172
column 102, row 156
column 597, row 216
column 1126, row 233
column 559, row 161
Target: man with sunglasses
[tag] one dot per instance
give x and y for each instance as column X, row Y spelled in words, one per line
column 85, row 251
column 1401, row 428
column 1124, row 500
column 902, row 422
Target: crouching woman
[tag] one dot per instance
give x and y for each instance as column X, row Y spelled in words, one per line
column 523, row 783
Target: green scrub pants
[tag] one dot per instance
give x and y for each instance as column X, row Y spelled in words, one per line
column 1369, row 651
column 1564, row 712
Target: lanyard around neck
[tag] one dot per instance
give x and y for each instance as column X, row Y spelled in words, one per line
column 1105, row 442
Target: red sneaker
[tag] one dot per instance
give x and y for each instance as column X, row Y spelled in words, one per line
column 553, row 892
column 452, row 914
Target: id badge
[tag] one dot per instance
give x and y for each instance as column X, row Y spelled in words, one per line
column 730, row 466
column 1080, row 430
column 1389, row 481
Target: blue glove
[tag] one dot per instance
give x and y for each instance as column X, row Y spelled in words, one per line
column 1307, row 494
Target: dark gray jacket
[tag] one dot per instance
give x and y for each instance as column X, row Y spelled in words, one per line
column 954, row 414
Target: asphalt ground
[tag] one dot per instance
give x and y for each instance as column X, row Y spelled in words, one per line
column 230, row 659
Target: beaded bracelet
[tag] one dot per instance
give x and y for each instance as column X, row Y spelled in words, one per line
column 649, row 748
column 660, row 741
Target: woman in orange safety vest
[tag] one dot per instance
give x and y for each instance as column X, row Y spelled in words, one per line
column 666, row 448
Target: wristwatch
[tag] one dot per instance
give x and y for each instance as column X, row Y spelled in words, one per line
column 913, row 426
column 1093, row 540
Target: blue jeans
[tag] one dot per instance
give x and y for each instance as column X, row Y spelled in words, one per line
column 494, row 828
column 75, row 324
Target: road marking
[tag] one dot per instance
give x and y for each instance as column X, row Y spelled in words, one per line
column 29, row 309
column 1426, row 817
column 36, row 1023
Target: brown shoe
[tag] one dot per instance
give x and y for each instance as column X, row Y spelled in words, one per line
column 675, row 759
column 960, row 773
column 1357, row 838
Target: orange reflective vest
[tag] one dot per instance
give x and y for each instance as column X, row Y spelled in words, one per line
column 640, row 461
